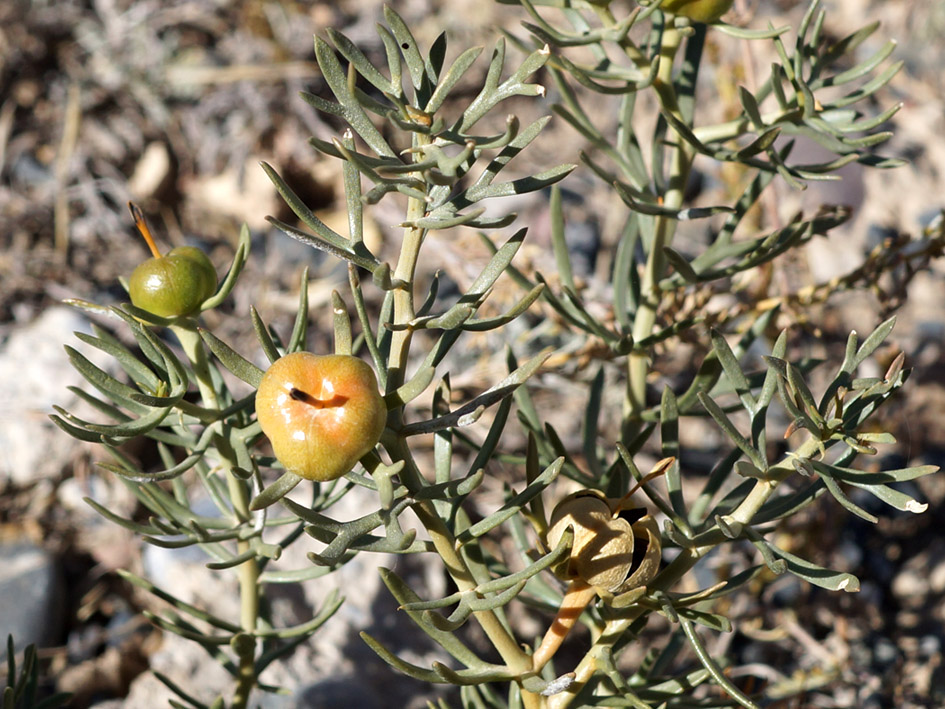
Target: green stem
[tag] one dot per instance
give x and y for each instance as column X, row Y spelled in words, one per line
column 192, row 345
column 629, row 47
column 248, row 571
column 638, row 364
column 446, row 546
column 403, row 295
column 737, row 127
column 443, row 540
column 248, row 574
column 246, row 676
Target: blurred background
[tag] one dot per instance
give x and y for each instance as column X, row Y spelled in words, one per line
column 173, row 105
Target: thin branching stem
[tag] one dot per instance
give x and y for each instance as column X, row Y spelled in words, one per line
column 665, row 228
column 404, row 272
column 443, row 540
column 248, row 571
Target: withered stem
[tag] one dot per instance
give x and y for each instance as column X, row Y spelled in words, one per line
column 142, row 226
column 576, row 598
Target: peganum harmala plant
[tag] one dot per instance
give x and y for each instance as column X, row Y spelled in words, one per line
column 595, row 558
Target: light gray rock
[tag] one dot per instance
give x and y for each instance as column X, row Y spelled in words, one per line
column 30, row 596
column 36, row 372
column 335, row 668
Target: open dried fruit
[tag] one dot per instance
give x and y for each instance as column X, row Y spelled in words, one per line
column 616, row 551
column 609, row 552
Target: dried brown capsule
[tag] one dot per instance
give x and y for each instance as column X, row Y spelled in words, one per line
column 610, row 552
column 615, row 553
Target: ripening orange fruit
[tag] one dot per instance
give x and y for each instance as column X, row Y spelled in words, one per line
column 321, row 413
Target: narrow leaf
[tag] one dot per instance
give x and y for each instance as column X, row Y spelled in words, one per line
column 238, row 365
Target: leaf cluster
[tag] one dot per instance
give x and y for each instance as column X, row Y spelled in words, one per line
column 406, row 131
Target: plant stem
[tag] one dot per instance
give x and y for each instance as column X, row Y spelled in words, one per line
column 739, row 126
column 665, row 228
column 443, row 540
column 248, row 571
column 575, row 600
column 248, row 574
column 445, row 544
column 403, row 295
column 190, row 342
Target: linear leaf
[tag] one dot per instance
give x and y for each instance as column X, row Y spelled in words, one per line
column 421, row 673
column 362, row 64
column 317, row 241
column 725, row 423
column 451, row 78
column 348, row 106
column 409, row 50
column 238, row 365
column 302, row 211
column 872, row 342
column 275, row 491
column 817, row 575
column 514, row 505
column 712, row 666
column 263, row 336
column 489, row 397
column 135, row 369
column 733, row 370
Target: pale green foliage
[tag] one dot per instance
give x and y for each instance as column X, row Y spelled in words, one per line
column 22, row 683
column 398, row 139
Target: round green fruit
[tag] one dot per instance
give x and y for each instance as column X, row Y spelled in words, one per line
column 698, row 10
column 322, row 413
column 174, row 284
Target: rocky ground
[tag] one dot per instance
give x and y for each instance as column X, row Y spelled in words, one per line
column 173, row 105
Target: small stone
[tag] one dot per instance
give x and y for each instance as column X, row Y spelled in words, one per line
column 884, row 652
column 183, row 572
column 338, row 693
column 909, row 620
column 30, row 595
column 36, row 370
column 929, row 645
column 187, row 665
column 871, row 594
column 151, row 171
column 787, row 591
column 910, row 587
column 880, row 568
column 246, row 195
column 851, row 553
column 860, row 655
column 937, row 578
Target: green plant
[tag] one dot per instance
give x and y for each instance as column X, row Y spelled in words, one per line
column 21, row 690
column 321, row 413
column 697, row 10
column 408, row 135
column 174, row 284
